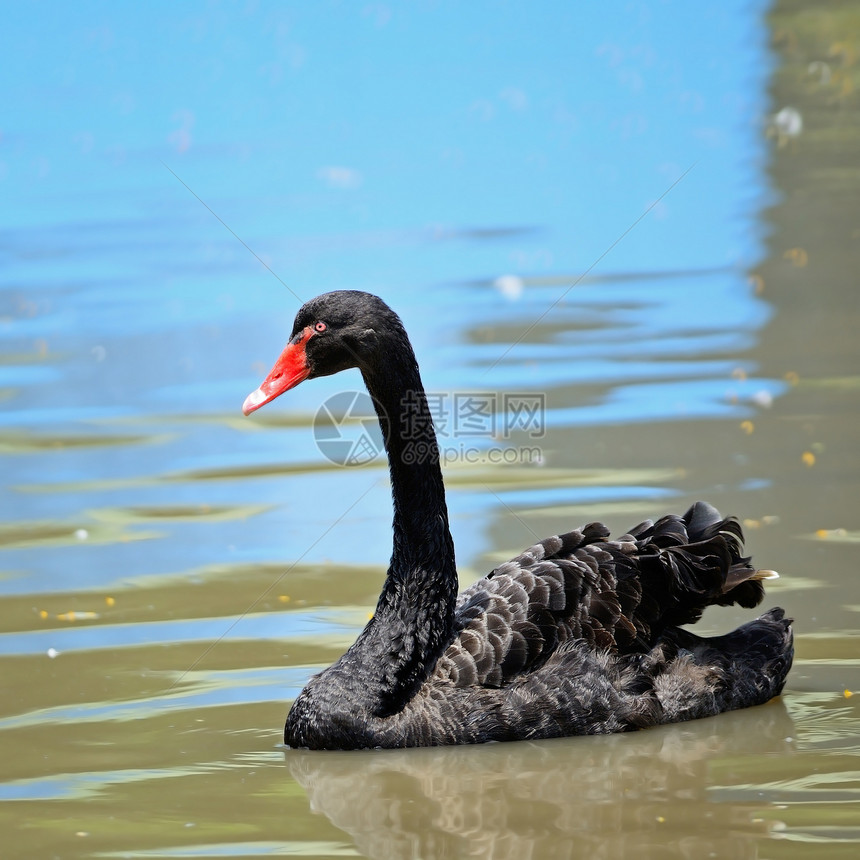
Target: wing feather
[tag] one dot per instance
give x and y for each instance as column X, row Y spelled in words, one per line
column 612, row 594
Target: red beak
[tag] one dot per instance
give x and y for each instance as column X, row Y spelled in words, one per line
column 290, row 369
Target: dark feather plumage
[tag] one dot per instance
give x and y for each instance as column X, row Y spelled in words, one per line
column 579, row 634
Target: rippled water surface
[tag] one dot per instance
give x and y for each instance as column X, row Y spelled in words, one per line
column 644, row 220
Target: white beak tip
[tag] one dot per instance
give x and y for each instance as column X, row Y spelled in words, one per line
column 254, row 401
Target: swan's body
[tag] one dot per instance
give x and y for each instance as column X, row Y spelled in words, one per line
column 578, row 635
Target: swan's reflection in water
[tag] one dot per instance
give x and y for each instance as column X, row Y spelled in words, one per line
column 676, row 791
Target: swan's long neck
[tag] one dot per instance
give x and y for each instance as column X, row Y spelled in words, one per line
column 414, row 617
column 421, row 536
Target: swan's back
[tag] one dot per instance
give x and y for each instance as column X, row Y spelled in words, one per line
column 618, row 595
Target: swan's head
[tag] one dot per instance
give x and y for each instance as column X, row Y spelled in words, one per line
column 333, row 332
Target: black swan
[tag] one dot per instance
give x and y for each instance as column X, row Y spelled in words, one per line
column 578, row 635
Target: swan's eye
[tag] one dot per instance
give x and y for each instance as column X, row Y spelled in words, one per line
column 320, row 326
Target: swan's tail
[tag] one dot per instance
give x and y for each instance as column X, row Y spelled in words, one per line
column 702, row 676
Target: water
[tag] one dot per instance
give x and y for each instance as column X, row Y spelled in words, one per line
column 596, row 210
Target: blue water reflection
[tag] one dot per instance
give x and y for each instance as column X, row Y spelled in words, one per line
column 178, row 178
